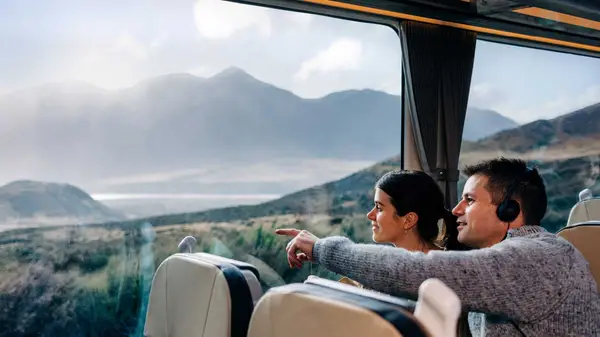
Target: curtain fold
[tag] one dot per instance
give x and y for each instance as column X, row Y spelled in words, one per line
column 421, row 67
column 438, row 63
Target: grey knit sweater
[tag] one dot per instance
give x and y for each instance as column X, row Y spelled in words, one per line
column 534, row 278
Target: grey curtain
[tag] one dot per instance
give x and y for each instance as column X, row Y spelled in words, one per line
column 421, row 67
column 438, row 63
column 454, row 96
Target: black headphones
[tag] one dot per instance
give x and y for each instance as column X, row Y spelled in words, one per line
column 509, row 209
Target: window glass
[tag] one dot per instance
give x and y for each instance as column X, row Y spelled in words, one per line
column 540, row 106
column 128, row 125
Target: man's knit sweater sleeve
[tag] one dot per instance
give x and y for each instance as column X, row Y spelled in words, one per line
column 518, row 278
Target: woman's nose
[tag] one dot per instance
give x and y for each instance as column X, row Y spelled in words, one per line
column 370, row 215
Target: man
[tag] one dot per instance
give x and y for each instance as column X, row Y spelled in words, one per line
column 522, row 280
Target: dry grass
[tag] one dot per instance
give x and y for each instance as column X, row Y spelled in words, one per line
column 198, row 226
column 97, row 280
column 87, row 233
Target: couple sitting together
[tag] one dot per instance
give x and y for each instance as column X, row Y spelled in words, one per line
column 512, row 276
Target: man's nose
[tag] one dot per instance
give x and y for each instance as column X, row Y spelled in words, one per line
column 458, row 210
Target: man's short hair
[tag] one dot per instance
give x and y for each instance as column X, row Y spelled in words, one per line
column 502, row 173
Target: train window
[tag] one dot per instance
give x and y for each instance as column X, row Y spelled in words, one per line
column 540, row 106
column 127, row 126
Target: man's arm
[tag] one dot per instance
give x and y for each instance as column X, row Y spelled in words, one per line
column 518, row 278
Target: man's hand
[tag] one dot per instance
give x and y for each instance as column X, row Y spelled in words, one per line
column 300, row 248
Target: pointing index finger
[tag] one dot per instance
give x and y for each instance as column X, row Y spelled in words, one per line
column 288, row 231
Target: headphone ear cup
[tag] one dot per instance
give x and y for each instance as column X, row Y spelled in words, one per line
column 508, row 210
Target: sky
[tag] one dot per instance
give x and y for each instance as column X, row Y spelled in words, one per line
column 114, row 44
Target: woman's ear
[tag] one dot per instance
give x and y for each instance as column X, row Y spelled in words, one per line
column 410, row 220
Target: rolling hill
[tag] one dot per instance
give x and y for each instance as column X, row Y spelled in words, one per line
column 36, row 203
column 575, row 129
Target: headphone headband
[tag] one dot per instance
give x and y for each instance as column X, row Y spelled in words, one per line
column 509, row 209
column 511, row 188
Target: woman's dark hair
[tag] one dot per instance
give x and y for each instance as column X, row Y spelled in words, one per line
column 416, row 191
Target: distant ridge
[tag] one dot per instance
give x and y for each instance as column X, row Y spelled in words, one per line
column 34, row 202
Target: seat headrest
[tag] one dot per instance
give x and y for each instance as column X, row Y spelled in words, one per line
column 317, row 310
column 585, row 236
column 201, row 295
column 586, row 209
column 250, row 272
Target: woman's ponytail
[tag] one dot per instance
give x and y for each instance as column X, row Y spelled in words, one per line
column 450, row 232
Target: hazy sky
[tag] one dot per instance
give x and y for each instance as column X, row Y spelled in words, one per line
column 116, row 43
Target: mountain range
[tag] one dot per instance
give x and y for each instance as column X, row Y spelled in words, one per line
column 565, row 172
column 566, row 135
column 565, row 148
column 85, row 135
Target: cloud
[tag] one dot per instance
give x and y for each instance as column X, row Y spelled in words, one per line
column 342, row 54
column 114, row 62
column 301, row 21
column 219, row 19
column 560, row 105
column 205, row 70
column 130, row 45
column 159, row 40
column 154, row 177
column 486, row 95
column 306, row 172
column 392, row 86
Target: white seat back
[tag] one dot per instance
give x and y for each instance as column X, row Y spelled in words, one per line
column 325, row 308
column 585, row 237
column 201, row 295
column 438, row 308
column 586, row 209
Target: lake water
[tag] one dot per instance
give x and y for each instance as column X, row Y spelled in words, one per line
column 147, row 204
column 182, row 196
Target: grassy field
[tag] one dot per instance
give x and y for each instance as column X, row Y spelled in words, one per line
column 94, row 281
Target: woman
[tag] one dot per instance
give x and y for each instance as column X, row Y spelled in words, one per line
column 407, row 212
column 408, row 206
